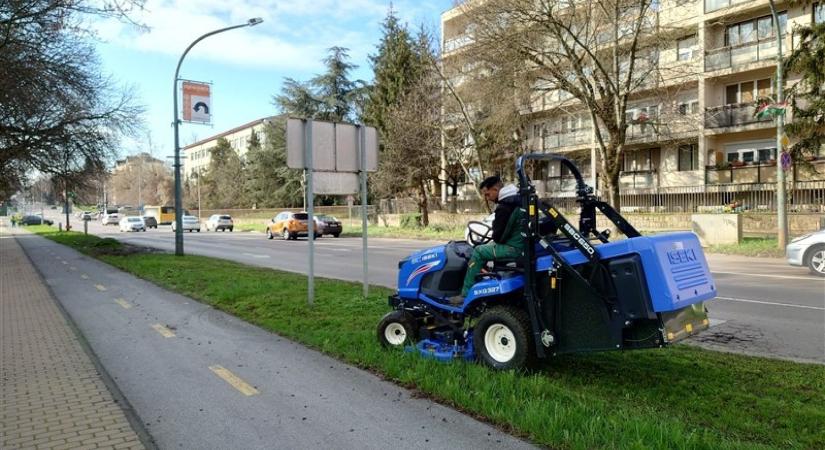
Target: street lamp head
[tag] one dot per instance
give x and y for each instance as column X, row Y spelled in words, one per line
column 254, row 21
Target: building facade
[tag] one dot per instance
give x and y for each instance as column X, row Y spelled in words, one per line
column 697, row 144
column 198, row 154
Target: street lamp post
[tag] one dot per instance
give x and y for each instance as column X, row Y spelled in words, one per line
column 176, row 122
column 781, row 210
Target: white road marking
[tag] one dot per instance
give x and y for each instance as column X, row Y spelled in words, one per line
column 787, row 277
column 716, row 322
column 255, row 255
column 760, row 302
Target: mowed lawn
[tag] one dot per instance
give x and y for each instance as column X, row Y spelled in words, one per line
column 677, row 397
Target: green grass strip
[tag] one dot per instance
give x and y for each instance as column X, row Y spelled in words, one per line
column 681, row 397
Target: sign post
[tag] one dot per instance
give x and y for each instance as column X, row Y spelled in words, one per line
column 310, row 211
column 335, row 158
column 362, row 159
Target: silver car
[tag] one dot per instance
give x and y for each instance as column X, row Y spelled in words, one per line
column 808, row 250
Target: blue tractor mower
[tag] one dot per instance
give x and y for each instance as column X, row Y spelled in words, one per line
column 573, row 290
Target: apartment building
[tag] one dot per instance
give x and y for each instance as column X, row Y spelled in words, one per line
column 198, row 154
column 695, row 143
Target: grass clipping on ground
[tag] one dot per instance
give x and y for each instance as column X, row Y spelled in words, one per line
column 678, row 397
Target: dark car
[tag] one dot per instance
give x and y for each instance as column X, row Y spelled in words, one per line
column 150, row 221
column 35, row 220
column 329, row 225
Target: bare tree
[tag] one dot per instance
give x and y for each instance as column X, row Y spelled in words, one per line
column 599, row 54
column 54, row 103
column 142, row 179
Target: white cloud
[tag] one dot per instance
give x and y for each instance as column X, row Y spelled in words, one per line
column 294, row 35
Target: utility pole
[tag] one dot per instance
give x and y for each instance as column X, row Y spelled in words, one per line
column 781, row 210
column 199, row 195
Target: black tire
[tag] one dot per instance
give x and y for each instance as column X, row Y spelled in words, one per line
column 502, row 338
column 397, row 329
column 286, row 235
column 815, row 260
column 336, row 235
column 269, row 234
column 230, row 229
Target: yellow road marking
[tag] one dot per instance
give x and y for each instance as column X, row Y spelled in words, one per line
column 84, row 276
column 100, row 287
column 233, row 379
column 123, row 303
column 164, row 331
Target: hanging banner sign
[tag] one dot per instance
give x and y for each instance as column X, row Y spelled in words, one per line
column 197, row 102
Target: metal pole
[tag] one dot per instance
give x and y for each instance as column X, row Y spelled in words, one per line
column 781, row 209
column 363, row 163
column 310, row 211
column 199, row 195
column 176, row 123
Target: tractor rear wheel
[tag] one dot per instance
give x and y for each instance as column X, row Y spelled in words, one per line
column 502, row 338
column 397, row 329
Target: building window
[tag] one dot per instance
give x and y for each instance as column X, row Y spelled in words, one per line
column 767, row 154
column 638, row 161
column 686, row 48
column 755, row 29
column 748, row 91
column 691, row 107
column 688, row 157
column 819, row 13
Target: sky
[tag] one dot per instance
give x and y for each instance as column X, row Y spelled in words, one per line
column 245, row 66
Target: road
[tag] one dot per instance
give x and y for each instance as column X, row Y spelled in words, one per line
column 765, row 307
column 202, row 379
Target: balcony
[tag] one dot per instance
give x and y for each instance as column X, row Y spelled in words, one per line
column 639, row 179
column 715, row 5
column 567, row 139
column 743, row 54
column 641, row 132
column 458, row 42
column 764, row 172
column 732, row 115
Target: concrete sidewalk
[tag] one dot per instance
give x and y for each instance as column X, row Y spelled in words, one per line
column 51, row 392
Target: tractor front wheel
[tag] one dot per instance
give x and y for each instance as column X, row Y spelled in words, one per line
column 502, row 338
column 397, row 329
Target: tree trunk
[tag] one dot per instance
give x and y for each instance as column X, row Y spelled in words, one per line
column 422, row 204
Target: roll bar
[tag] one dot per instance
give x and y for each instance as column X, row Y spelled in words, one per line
column 524, row 180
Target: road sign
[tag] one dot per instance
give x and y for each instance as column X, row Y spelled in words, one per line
column 197, row 102
column 334, row 146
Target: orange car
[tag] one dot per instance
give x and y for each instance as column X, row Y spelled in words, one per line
column 289, row 225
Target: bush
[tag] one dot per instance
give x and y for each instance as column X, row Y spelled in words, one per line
column 412, row 220
column 440, row 227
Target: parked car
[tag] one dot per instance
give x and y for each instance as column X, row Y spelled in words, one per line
column 86, row 216
column 34, row 220
column 808, row 251
column 150, row 221
column 219, row 222
column 110, row 219
column 190, row 223
column 289, row 225
column 328, row 225
column 132, row 223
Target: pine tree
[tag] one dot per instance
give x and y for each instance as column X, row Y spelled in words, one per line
column 396, row 67
column 808, row 95
column 221, row 188
column 333, row 88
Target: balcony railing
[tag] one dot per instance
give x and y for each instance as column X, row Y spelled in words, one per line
column 641, row 132
column 554, row 140
column 739, row 55
column 715, row 5
column 732, row 115
column 640, row 179
column 458, row 42
column 764, row 172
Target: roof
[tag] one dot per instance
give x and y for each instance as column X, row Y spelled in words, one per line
column 228, row 132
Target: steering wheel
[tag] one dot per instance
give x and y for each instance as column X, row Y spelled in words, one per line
column 479, row 233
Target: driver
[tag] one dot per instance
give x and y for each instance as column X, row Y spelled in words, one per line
column 508, row 242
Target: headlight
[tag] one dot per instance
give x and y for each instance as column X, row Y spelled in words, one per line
column 806, row 236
